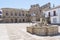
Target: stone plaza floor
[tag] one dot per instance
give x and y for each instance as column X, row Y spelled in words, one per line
column 17, row 31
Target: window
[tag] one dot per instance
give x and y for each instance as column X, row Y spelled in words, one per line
column 54, row 20
column 0, row 12
column 11, row 20
column 15, row 20
column 54, row 13
column 27, row 15
column 7, row 14
column 19, row 20
column 22, row 14
column 0, row 16
column 19, row 14
column 23, row 20
column 49, row 14
column 15, row 14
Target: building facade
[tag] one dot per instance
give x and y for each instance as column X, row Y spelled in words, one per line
column 0, row 15
column 36, row 11
column 54, row 14
column 12, row 15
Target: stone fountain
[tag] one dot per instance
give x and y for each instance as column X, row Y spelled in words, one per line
column 43, row 28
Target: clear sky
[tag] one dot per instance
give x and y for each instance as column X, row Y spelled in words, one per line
column 25, row 3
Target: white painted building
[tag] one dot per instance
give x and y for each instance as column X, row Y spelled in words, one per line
column 1, row 16
column 54, row 14
column 0, row 13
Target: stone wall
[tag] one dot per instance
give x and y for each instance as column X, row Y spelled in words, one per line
column 11, row 15
column 45, row 30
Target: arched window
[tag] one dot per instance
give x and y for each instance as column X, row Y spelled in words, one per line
column 15, row 14
column 22, row 14
column 23, row 20
column 19, row 20
column 15, row 20
column 19, row 14
column 11, row 20
column 7, row 14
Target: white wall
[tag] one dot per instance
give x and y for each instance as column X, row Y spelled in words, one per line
column 51, row 12
column 1, row 12
column 52, row 17
column 56, row 19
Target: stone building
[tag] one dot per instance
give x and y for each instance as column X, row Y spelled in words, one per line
column 36, row 11
column 12, row 15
